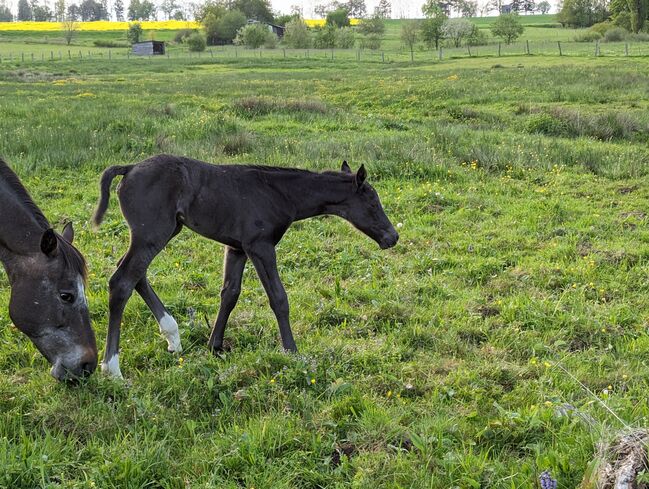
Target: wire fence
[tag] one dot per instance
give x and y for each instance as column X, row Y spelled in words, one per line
column 497, row 50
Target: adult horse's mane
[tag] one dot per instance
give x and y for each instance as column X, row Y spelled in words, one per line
column 70, row 254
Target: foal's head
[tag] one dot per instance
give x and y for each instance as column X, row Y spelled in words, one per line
column 48, row 304
column 363, row 209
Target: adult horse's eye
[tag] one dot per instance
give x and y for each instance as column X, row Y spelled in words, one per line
column 67, row 297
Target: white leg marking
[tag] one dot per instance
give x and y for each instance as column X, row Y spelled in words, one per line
column 169, row 329
column 110, row 367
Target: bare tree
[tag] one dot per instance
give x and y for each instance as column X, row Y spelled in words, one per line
column 69, row 28
column 410, row 35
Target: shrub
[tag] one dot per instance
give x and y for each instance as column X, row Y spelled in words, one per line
column 253, row 36
column 616, row 34
column 344, row 38
column 134, row 33
column 546, row 124
column 297, row 35
column 325, row 38
column 183, row 34
column 105, row 43
column 371, row 41
column 587, row 36
column 197, row 42
column 601, row 27
column 639, row 37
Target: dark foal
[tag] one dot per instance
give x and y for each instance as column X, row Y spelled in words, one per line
column 46, row 274
column 247, row 208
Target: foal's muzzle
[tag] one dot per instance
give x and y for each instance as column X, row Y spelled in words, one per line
column 389, row 240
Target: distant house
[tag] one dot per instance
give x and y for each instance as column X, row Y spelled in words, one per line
column 148, row 48
column 278, row 30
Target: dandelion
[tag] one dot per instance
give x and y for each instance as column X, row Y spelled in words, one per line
column 312, row 381
column 547, row 364
column 389, row 394
column 272, row 381
column 548, row 403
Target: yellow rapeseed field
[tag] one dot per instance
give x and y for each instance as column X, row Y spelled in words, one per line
column 105, row 25
column 100, row 25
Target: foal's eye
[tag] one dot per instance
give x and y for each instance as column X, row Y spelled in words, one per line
column 67, row 297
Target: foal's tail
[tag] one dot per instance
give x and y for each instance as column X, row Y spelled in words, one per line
column 104, row 186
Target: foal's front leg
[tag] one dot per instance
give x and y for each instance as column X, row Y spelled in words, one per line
column 233, row 264
column 264, row 259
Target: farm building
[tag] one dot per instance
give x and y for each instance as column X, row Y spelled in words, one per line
column 148, row 48
column 278, row 30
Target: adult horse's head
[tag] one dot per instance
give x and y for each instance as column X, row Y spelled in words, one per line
column 363, row 209
column 48, row 304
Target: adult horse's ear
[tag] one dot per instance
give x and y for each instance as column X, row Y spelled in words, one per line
column 345, row 167
column 48, row 242
column 68, row 232
column 361, row 175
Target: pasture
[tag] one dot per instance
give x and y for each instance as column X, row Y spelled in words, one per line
column 459, row 358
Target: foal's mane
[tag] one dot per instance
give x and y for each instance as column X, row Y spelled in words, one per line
column 73, row 258
column 281, row 169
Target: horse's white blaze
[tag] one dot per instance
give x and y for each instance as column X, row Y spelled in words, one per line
column 169, row 329
column 110, row 367
column 81, row 292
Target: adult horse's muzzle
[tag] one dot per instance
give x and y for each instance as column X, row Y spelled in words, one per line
column 72, row 371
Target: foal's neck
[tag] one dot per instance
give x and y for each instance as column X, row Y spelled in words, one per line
column 314, row 194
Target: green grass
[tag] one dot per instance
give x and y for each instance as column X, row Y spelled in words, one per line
column 521, row 189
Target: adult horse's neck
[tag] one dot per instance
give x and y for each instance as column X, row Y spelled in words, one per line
column 313, row 194
column 21, row 223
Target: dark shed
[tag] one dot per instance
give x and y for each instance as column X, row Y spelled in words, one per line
column 147, row 48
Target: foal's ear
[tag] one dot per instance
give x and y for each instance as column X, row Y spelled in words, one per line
column 361, row 175
column 345, row 167
column 49, row 243
column 68, row 232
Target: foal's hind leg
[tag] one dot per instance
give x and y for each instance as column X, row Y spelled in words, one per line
column 166, row 322
column 130, row 271
column 233, row 264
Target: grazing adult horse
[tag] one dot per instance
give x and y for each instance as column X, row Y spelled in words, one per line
column 247, row 208
column 46, row 273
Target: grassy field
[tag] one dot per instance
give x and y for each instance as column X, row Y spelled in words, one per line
column 521, row 189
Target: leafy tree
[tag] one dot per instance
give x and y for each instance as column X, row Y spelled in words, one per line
column 141, row 10
column 383, row 9
column 582, row 13
column 41, row 13
column 468, row 8
column 544, row 7
column 69, row 28
column 528, row 6
column 24, row 10
column 73, row 12
column 285, row 19
column 457, row 30
column 508, row 27
column 478, row 37
column 228, row 26
column 355, row 8
column 118, row 8
column 92, row 10
column 178, row 15
column 253, row 35
column 296, row 34
column 338, row 18
column 432, row 31
column 321, row 10
column 5, row 13
column 134, row 33
column 168, row 7
column 59, row 10
column 410, row 34
column 253, row 9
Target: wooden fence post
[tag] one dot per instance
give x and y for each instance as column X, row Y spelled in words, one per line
column 527, row 43
column 626, row 49
column 441, row 53
column 596, row 48
column 559, row 44
column 382, row 56
column 499, row 50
